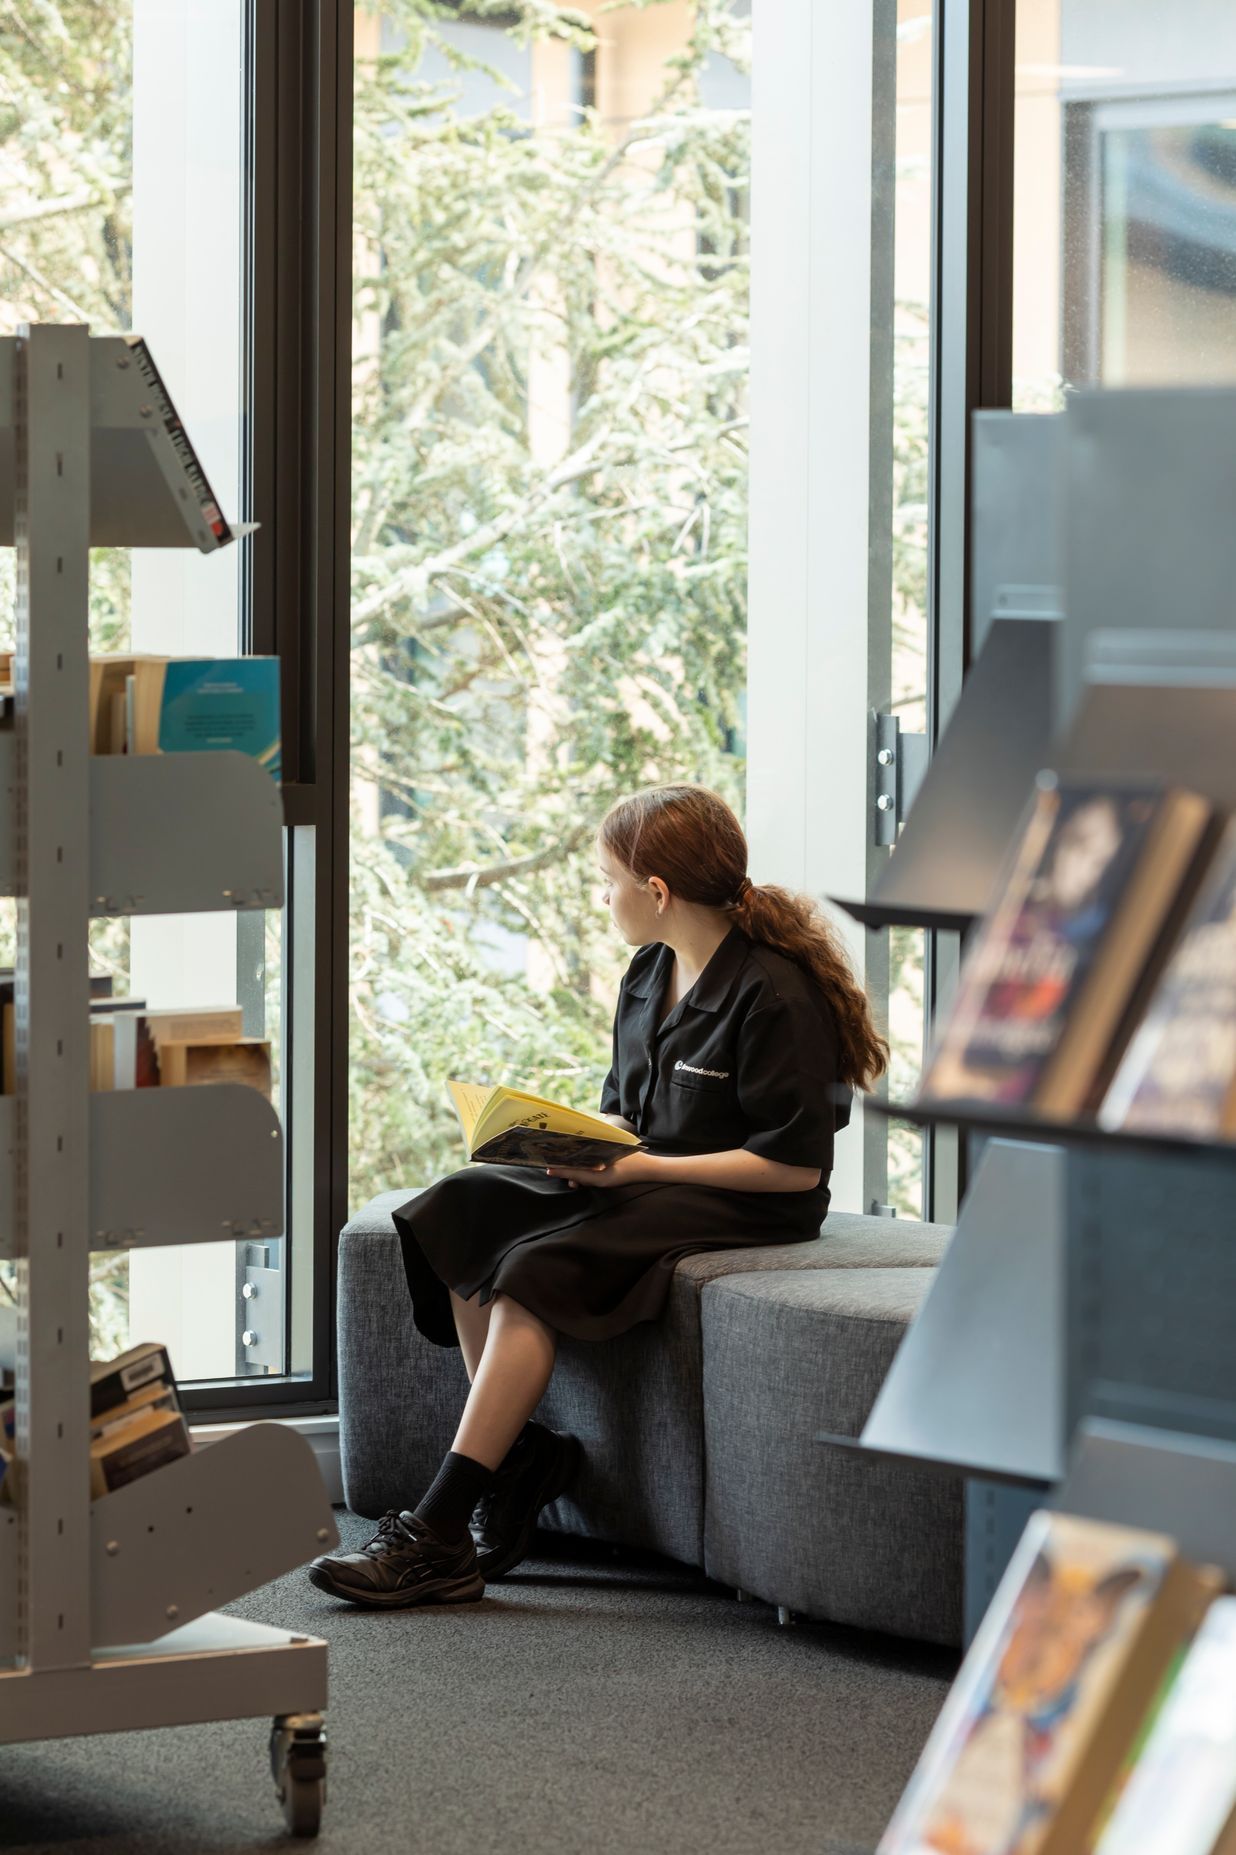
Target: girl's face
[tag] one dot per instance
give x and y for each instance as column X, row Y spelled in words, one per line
column 633, row 905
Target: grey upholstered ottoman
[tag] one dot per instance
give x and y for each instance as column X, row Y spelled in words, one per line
column 636, row 1402
column 817, row 1529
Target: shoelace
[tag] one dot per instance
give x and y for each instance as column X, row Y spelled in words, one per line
column 392, row 1531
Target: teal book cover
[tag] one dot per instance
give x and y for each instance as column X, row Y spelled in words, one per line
column 212, row 704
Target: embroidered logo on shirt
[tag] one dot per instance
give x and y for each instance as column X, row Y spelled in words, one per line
column 722, row 1075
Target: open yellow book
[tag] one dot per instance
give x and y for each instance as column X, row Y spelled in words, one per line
column 508, row 1128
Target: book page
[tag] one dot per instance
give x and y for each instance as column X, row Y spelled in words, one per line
column 470, row 1099
column 513, row 1108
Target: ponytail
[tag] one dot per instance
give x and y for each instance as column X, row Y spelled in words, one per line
column 691, row 839
column 797, row 927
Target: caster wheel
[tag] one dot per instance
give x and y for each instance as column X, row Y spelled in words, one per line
column 298, row 1767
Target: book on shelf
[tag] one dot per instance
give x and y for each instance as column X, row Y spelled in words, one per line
column 136, row 1423
column 196, row 1024
column 134, row 1047
column 1180, row 1797
column 1098, row 881
column 181, row 464
column 507, row 1127
column 8, row 1446
column 1178, row 1075
column 110, row 672
column 1052, row 1693
column 147, row 1440
column 193, row 1064
column 146, row 704
column 114, row 1381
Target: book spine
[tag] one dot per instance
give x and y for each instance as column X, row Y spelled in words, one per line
column 132, row 1461
column 115, row 1387
column 211, row 513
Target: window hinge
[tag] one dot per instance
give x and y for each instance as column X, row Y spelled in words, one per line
column 901, row 761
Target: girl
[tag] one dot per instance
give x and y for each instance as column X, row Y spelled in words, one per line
column 737, row 1021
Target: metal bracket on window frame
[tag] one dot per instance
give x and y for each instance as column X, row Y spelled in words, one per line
column 901, row 761
column 260, row 1308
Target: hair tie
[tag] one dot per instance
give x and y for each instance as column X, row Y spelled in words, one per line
column 743, row 891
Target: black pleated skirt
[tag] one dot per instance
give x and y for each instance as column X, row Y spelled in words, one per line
column 590, row 1262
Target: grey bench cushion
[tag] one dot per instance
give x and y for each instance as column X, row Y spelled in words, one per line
column 635, row 1401
column 821, row 1530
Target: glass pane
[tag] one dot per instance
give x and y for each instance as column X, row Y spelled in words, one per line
column 123, row 193
column 1125, row 219
column 912, row 221
column 549, row 567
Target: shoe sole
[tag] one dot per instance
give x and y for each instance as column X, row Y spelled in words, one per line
column 556, row 1481
column 457, row 1591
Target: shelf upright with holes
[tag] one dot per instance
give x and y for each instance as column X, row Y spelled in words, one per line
column 109, row 1608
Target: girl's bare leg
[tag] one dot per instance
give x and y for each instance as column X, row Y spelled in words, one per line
column 508, row 1383
column 472, row 1326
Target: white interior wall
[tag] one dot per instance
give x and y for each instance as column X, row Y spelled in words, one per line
column 810, row 432
column 187, row 298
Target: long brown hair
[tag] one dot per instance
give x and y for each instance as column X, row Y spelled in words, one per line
column 691, row 839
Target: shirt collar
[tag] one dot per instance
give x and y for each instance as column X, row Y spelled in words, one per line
column 714, row 984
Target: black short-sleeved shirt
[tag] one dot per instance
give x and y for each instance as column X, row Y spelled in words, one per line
column 747, row 1058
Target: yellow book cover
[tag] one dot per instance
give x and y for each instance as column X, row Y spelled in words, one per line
column 506, row 1127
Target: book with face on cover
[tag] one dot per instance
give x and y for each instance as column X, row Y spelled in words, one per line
column 506, row 1127
column 1053, row 1691
column 1178, row 1075
column 1181, row 1797
column 1099, row 878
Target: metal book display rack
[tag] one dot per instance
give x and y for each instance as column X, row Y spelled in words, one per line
column 1075, row 1345
column 108, row 1607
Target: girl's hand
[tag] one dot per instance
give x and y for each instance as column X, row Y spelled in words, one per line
column 631, row 1169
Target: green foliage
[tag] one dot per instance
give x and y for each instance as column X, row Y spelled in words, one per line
column 549, row 556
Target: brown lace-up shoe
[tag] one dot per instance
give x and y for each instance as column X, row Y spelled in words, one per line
column 540, row 1467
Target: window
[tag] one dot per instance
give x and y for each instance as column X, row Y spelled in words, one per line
column 126, row 205
column 549, row 524
column 1125, row 222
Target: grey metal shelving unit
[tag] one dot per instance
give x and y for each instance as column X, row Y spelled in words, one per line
column 1075, row 1348
column 109, row 1609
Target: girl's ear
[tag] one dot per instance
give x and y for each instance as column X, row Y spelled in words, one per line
column 660, row 893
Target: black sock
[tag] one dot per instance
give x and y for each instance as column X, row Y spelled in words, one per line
column 457, row 1487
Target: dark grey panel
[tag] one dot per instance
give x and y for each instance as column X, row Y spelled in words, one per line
column 1163, row 1479
column 978, row 1379
column 1149, row 530
column 996, row 1516
column 1017, row 463
column 1151, row 1285
column 1182, row 733
column 952, row 848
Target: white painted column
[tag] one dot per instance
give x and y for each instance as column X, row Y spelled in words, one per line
column 188, row 216
column 807, row 812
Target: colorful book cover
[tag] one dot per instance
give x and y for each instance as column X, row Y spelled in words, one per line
column 1077, row 857
column 1045, row 1663
column 231, row 703
column 1182, row 1793
column 1179, row 1073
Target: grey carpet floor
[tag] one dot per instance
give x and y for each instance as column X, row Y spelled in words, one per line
column 589, row 1705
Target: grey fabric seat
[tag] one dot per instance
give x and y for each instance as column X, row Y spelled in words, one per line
column 818, row 1529
column 636, row 1402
